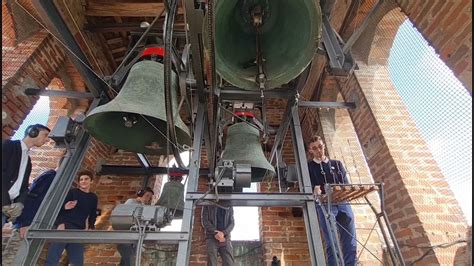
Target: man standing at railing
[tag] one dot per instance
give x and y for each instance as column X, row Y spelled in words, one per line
column 128, row 251
column 323, row 171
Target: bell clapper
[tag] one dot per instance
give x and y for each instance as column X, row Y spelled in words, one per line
column 129, row 120
column 153, row 146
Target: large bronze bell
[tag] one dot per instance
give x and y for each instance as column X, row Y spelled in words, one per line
column 172, row 197
column 135, row 120
column 243, row 147
column 290, row 31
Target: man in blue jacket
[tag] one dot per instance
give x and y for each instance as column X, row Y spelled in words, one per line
column 323, row 171
column 16, row 169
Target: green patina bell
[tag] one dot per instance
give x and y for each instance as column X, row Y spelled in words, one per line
column 135, row 120
column 290, row 32
column 243, row 147
column 172, row 198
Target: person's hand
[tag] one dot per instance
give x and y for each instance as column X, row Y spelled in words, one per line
column 23, row 231
column 317, row 190
column 61, row 227
column 13, row 210
column 70, row 204
column 219, row 236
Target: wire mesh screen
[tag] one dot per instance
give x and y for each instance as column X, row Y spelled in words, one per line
column 440, row 106
column 38, row 115
column 424, row 114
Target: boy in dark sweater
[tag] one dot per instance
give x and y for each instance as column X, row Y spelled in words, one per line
column 322, row 171
column 80, row 206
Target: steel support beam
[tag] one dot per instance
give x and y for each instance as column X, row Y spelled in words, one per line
column 138, row 170
column 340, row 63
column 194, row 18
column 56, row 93
column 105, row 237
column 253, row 199
column 313, row 232
column 30, row 249
column 184, row 247
column 332, row 105
column 236, row 94
column 52, row 18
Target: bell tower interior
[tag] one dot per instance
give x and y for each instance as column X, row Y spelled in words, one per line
column 241, row 86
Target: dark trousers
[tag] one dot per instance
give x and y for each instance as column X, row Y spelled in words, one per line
column 127, row 254
column 345, row 230
column 75, row 252
column 225, row 251
column 4, row 219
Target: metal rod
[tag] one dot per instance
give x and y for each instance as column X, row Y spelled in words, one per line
column 313, row 232
column 138, row 43
column 51, row 16
column 184, row 247
column 253, row 198
column 138, row 170
column 56, row 93
column 194, row 17
column 332, row 105
column 105, row 237
column 332, row 227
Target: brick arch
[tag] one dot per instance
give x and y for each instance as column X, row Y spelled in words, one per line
column 32, row 63
column 8, row 30
column 373, row 46
column 446, row 25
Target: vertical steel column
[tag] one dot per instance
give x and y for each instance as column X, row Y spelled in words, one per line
column 313, row 233
column 30, row 250
column 184, row 247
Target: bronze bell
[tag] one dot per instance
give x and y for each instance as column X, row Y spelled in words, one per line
column 243, row 147
column 135, row 120
column 172, row 197
column 289, row 35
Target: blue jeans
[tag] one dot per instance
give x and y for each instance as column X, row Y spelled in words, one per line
column 127, row 254
column 75, row 252
column 347, row 234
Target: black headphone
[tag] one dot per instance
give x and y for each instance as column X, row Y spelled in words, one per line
column 32, row 131
column 144, row 190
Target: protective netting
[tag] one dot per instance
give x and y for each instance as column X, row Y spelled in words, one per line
column 38, row 115
column 440, row 106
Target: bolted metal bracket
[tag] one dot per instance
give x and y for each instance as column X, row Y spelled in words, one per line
column 340, row 63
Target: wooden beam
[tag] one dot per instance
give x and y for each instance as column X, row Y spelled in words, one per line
column 106, row 9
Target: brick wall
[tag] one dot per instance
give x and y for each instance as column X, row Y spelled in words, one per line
column 389, row 160
column 412, row 201
column 32, row 63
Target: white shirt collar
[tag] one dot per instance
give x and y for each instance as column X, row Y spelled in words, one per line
column 326, row 160
column 23, row 146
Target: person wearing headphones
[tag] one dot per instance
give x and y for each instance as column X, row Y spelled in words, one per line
column 127, row 251
column 16, row 169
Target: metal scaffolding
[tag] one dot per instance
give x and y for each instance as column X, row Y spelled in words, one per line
column 204, row 134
